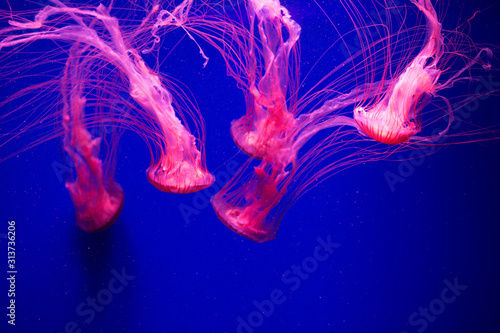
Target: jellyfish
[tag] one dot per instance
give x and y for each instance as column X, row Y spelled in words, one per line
column 253, row 203
column 260, row 130
column 181, row 167
column 109, row 53
column 98, row 199
column 394, row 119
column 396, row 115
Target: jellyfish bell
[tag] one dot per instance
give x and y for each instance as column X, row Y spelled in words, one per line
column 103, row 62
column 96, row 207
column 260, row 130
column 178, row 176
column 97, row 198
column 245, row 208
column 395, row 118
column 245, row 221
column 268, row 134
column 180, row 156
column 390, row 112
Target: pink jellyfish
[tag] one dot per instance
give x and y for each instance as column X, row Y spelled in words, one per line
column 104, row 58
column 180, row 168
column 263, row 59
column 254, row 201
column 395, row 117
column 261, row 130
column 97, row 198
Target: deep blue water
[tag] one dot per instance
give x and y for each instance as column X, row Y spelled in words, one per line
column 430, row 241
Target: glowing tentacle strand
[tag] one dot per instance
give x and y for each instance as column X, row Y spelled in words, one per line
column 98, row 199
column 395, row 118
column 180, row 168
column 261, row 130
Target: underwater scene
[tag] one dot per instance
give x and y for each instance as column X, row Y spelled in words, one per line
column 249, row 166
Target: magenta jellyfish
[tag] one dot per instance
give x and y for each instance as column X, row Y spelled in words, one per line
column 396, row 114
column 278, row 125
column 262, row 129
column 394, row 119
column 97, row 198
column 104, row 62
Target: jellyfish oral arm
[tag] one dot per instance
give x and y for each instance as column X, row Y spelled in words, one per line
column 395, row 118
column 98, row 199
column 96, row 207
column 180, row 168
column 259, row 132
column 245, row 209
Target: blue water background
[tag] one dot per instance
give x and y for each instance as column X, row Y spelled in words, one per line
column 397, row 245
